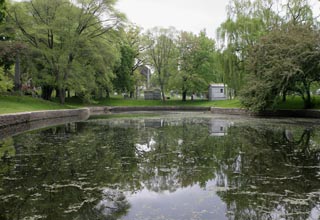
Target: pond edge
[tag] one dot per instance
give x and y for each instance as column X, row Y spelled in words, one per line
column 84, row 113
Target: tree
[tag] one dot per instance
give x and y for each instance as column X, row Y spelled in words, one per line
column 2, row 10
column 196, row 63
column 162, row 55
column 61, row 33
column 247, row 21
column 137, row 41
column 285, row 60
column 5, row 82
column 10, row 53
column 123, row 80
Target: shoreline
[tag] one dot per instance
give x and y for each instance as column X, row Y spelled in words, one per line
column 84, row 113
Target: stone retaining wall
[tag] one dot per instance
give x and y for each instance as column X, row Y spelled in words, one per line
column 25, row 117
column 229, row 111
column 100, row 110
column 158, row 108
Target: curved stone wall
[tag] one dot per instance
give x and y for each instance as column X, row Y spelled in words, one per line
column 25, row 117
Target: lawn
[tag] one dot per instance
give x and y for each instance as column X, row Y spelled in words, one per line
column 11, row 104
column 117, row 101
column 296, row 102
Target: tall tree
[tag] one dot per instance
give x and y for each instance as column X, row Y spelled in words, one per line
column 196, row 63
column 2, row 10
column 5, row 82
column 298, row 12
column 284, row 60
column 138, row 43
column 133, row 47
column 123, row 80
column 247, row 21
column 57, row 31
column 162, row 55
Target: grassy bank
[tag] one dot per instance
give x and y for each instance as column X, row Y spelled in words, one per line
column 295, row 102
column 11, row 104
column 201, row 103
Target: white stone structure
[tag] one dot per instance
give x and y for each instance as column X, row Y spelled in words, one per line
column 218, row 91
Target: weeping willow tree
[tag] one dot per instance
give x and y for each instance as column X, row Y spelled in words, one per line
column 247, row 21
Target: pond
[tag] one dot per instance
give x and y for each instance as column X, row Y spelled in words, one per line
column 176, row 166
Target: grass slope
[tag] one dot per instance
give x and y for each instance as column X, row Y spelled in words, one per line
column 296, row 102
column 203, row 103
column 11, row 104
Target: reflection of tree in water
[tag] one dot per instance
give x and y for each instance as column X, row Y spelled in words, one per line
column 60, row 173
column 181, row 157
column 277, row 178
column 79, row 171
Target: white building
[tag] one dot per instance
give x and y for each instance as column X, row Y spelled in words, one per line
column 218, row 91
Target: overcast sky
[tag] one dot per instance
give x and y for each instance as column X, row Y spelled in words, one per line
column 187, row 15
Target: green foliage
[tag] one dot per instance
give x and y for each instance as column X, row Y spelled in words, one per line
column 284, row 61
column 123, row 81
column 2, row 10
column 196, row 63
column 162, row 54
column 247, row 21
column 73, row 45
column 5, row 82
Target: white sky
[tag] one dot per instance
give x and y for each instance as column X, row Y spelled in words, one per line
column 187, row 15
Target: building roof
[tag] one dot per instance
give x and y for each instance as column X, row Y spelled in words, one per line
column 218, row 85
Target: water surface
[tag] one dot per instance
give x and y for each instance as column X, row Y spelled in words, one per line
column 186, row 166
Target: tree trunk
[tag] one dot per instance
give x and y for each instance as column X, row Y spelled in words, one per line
column 107, row 93
column 57, row 92
column 307, row 101
column 62, row 95
column 284, row 97
column 162, row 93
column 17, row 75
column 46, row 92
column 184, row 96
column 137, row 92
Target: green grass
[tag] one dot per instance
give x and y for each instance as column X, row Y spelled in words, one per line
column 203, row 103
column 296, row 102
column 11, row 104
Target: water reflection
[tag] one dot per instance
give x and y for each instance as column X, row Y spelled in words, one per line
column 219, row 127
column 168, row 168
